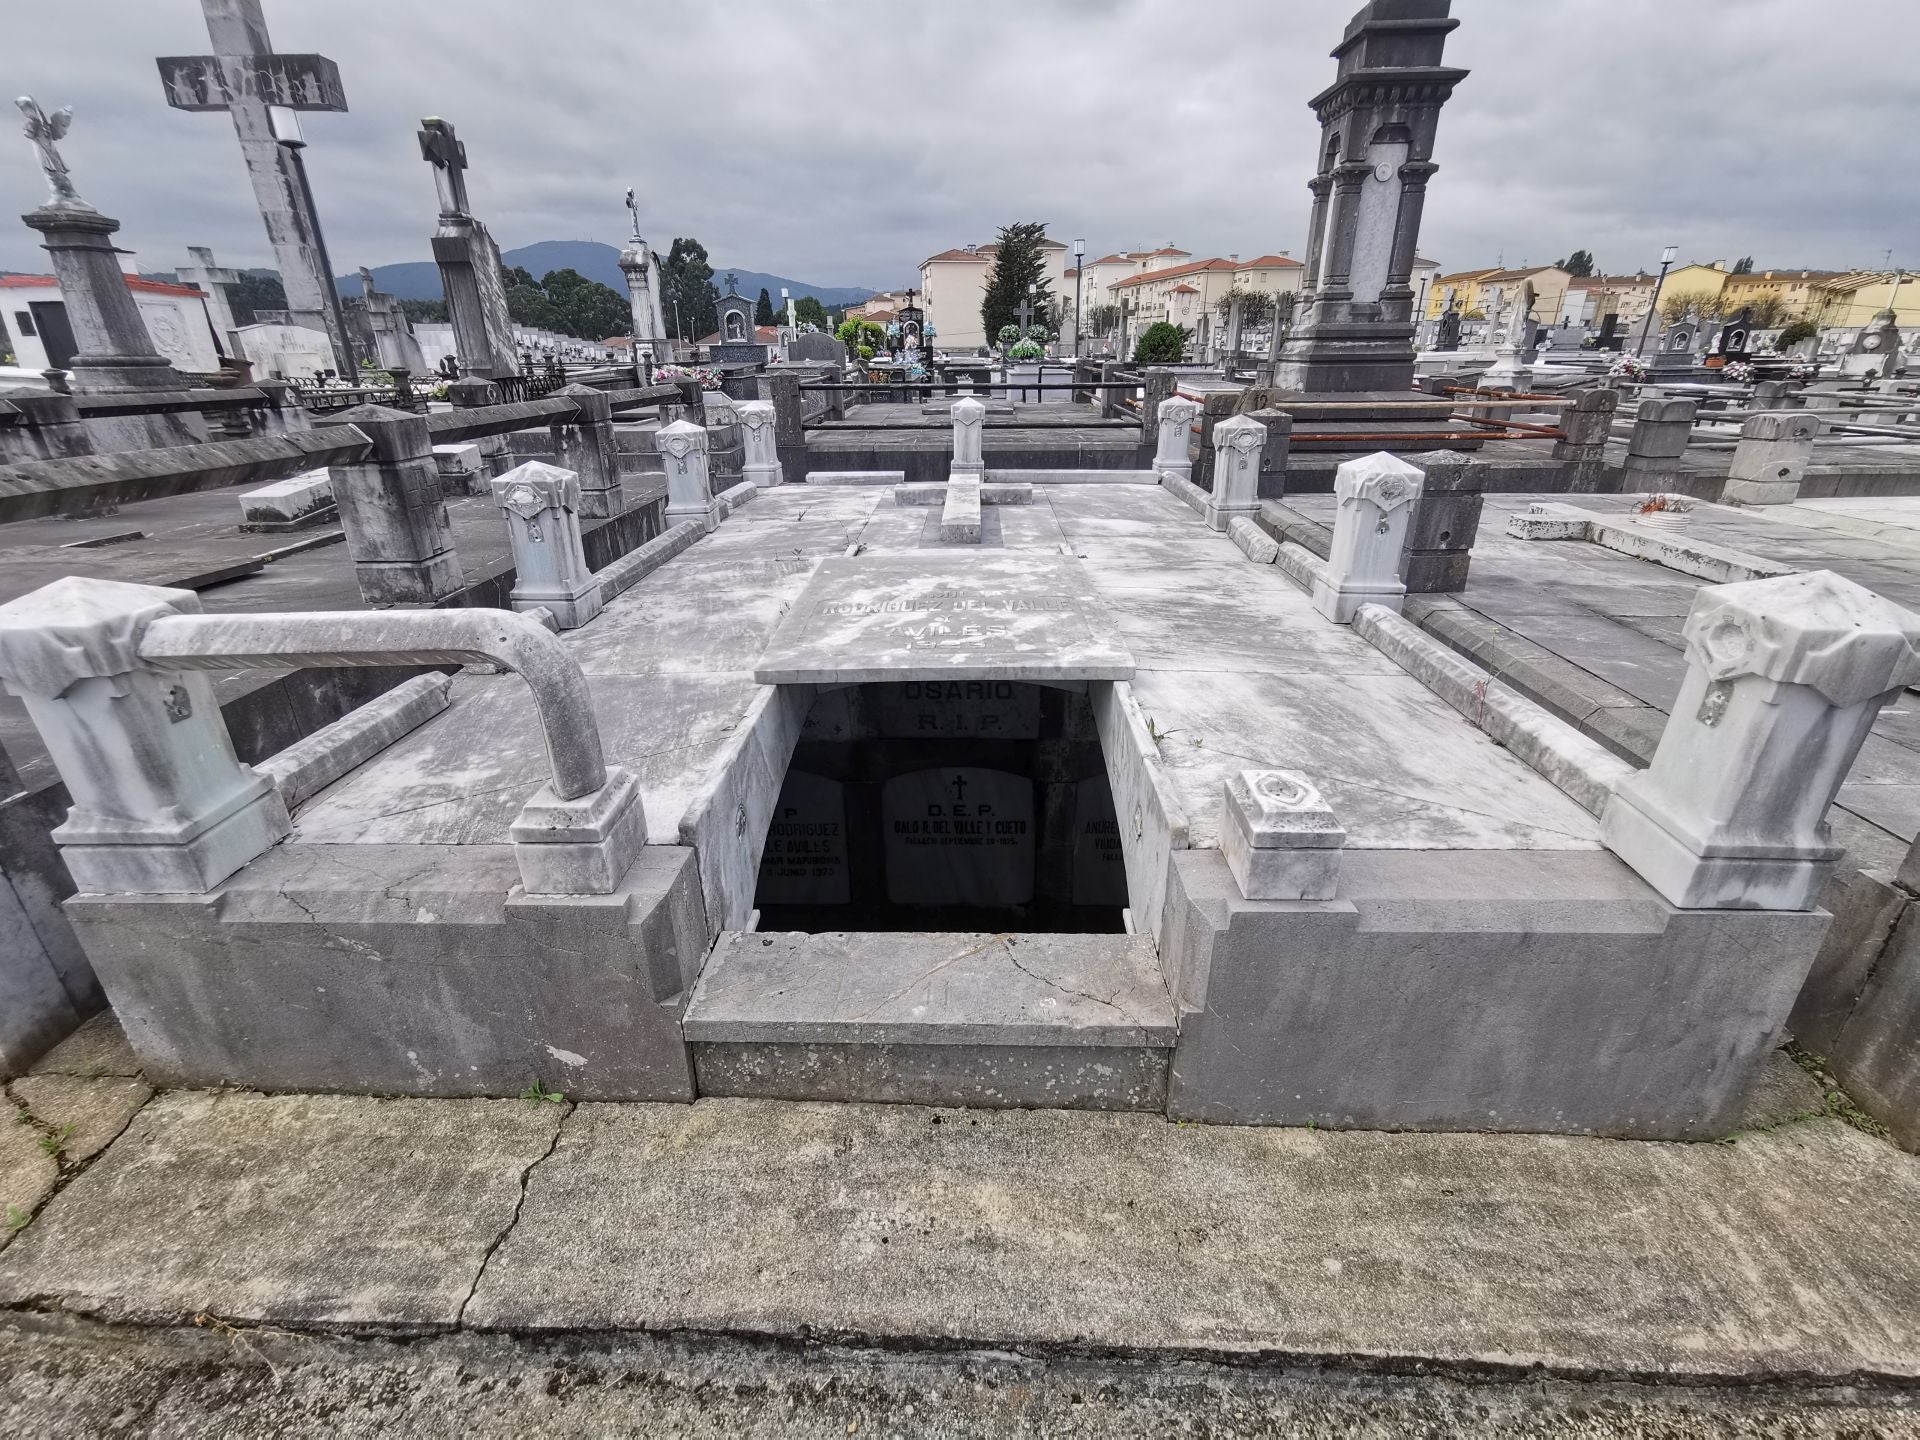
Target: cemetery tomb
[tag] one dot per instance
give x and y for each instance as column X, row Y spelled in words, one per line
column 1094, row 811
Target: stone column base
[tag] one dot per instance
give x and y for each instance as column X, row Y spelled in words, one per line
column 583, row 846
column 203, row 854
column 1692, row 881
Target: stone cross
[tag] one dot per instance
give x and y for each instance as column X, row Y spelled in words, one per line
column 442, row 149
column 246, row 78
column 43, row 130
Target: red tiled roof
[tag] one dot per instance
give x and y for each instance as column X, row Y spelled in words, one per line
column 1169, row 250
column 1184, row 290
column 762, row 335
column 1148, row 277
column 1270, row 262
column 134, row 282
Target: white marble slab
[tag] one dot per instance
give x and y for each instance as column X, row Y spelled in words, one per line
column 986, row 615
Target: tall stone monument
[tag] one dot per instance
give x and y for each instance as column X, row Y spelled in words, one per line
column 114, row 354
column 641, row 266
column 469, row 263
column 250, row 82
column 201, row 272
column 1355, row 328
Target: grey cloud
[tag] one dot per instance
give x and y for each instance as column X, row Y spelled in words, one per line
column 843, row 142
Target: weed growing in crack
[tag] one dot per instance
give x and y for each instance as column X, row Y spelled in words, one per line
column 55, row 1140
column 535, row 1093
column 16, row 1220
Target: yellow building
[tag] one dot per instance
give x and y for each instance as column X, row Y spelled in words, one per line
column 1796, row 290
column 1851, row 301
column 1488, row 291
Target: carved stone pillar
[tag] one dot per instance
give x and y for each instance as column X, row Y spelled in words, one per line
column 542, row 505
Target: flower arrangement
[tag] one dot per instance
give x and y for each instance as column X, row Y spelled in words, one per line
column 1008, row 334
column 1663, row 511
column 1039, row 333
column 1630, row 367
column 1027, row 350
column 667, row 374
column 1740, row 372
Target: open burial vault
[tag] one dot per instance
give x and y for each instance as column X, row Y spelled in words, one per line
column 970, row 825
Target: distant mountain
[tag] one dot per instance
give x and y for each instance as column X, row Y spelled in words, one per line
column 420, row 279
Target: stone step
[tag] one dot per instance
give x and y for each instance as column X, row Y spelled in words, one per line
column 935, row 1018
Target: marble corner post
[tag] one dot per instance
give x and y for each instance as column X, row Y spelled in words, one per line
column 1585, row 427
column 1770, row 458
column 585, row 446
column 1213, row 410
column 475, row 392
column 1772, row 395
column 161, row 805
column 1237, row 443
column 1446, row 520
column 282, row 413
column 1661, row 429
column 391, row 508
column 1376, row 494
column 542, row 505
column 1784, row 679
column 1273, row 456
column 1156, row 386
column 782, row 388
column 761, row 464
column 683, row 451
column 969, row 422
column 1173, row 452
column 1279, row 837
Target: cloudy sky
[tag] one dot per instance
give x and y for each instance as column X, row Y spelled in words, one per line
column 841, row 141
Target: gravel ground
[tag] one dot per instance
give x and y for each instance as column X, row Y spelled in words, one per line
column 61, row 1378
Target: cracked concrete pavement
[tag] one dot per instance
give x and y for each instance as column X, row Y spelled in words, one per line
column 361, row 1265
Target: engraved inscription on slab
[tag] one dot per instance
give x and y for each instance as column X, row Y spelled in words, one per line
column 1099, row 867
column 959, row 709
column 958, row 836
column 805, row 862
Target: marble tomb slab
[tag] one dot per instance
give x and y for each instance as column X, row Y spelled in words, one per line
column 978, row 615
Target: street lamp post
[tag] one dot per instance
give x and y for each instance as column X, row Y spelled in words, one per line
column 1667, row 257
column 1079, row 264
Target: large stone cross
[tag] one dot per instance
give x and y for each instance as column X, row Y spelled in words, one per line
column 244, row 77
column 442, row 149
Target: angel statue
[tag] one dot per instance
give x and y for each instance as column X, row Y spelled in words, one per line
column 43, row 129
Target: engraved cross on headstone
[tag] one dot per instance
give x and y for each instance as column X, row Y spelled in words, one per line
column 442, row 149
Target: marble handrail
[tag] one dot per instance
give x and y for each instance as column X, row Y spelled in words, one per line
column 406, row 637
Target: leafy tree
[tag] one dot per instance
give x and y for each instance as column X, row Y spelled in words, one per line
column 1793, row 334
column 251, row 293
column 847, row 332
column 1743, row 266
column 424, row 312
column 763, row 309
column 566, row 301
column 809, row 311
column 1162, row 343
column 686, row 276
column 1767, row 310
column 1256, row 307
column 1018, row 262
column 1579, row 263
column 873, row 335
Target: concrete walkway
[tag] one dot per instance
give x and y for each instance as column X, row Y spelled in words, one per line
column 1790, row 1253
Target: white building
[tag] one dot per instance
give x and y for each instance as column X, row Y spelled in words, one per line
column 41, row 338
column 954, row 283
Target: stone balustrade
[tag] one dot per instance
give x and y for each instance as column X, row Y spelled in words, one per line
column 112, row 676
